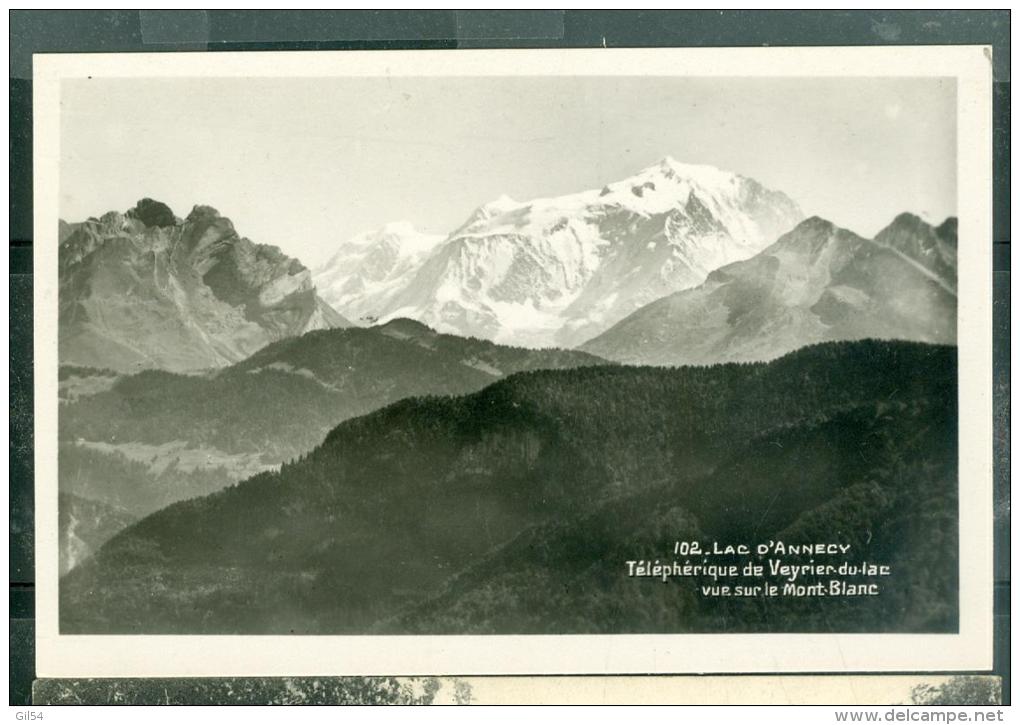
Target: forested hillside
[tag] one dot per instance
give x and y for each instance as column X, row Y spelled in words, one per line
column 282, row 400
column 535, row 490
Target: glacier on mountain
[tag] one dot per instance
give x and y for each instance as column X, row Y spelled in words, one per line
column 557, row 271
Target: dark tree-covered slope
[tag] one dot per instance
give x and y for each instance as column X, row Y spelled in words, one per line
column 140, row 442
column 535, row 488
column 282, row 400
column 802, row 484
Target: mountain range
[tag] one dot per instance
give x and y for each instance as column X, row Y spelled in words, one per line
column 679, row 264
column 473, row 432
column 146, row 289
column 815, row 283
column 557, row 271
column 515, row 508
column 140, row 442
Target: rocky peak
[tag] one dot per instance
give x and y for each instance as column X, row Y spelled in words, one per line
column 814, row 225
column 152, row 213
column 934, row 248
column 110, row 219
column 947, row 230
column 201, row 212
column 145, row 289
column 817, row 282
column 908, row 226
column 812, row 237
column 904, row 224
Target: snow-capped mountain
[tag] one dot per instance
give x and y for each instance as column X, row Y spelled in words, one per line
column 369, row 269
column 145, row 289
column 817, row 283
column 558, row 271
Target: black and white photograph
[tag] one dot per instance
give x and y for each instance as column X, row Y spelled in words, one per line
column 546, row 353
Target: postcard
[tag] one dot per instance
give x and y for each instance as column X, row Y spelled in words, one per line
column 523, row 362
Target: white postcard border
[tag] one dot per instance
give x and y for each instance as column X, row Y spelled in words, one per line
column 258, row 655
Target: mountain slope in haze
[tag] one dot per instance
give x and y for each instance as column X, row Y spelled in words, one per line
column 143, row 441
column 385, row 525
column 145, row 289
column 84, row 526
column 140, row 478
column 557, row 271
column 816, row 283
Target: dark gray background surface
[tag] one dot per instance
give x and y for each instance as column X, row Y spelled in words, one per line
column 91, row 31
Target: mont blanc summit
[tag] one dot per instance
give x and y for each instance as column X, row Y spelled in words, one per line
column 558, row 271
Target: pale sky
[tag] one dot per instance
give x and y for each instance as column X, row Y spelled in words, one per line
column 307, row 163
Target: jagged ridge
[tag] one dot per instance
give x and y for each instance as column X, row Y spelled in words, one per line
column 145, row 289
column 816, row 283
